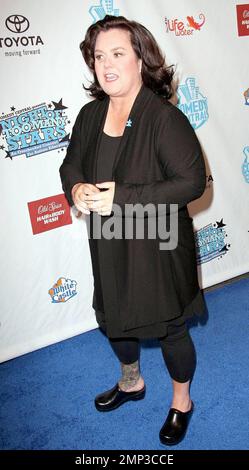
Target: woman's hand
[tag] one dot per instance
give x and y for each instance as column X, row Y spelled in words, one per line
column 80, row 192
column 101, row 201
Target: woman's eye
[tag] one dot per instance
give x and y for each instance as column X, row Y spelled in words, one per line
column 117, row 54
column 98, row 57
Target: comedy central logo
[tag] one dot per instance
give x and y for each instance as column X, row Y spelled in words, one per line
column 34, row 130
column 105, row 7
column 192, row 103
column 211, row 242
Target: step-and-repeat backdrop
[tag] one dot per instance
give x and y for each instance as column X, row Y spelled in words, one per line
column 46, row 275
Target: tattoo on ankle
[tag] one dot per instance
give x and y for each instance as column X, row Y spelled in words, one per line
column 130, row 375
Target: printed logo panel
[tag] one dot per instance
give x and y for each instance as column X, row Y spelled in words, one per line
column 245, row 165
column 18, row 41
column 192, row 103
column 246, row 96
column 63, row 290
column 186, row 27
column 243, row 19
column 210, row 242
column 33, row 131
column 104, row 7
column 49, row 213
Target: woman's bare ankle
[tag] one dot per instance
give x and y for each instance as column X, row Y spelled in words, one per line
column 182, row 404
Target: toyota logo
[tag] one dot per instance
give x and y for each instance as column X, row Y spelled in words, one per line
column 17, row 23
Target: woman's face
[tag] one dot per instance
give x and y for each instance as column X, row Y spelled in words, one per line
column 116, row 65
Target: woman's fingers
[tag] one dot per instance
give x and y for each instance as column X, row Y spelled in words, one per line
column 81, row 206
column 92, row 188
column 95, row 197
column 88, row 197
column 86, row 212
column 102, row 212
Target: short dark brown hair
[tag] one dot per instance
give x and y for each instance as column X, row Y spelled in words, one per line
column 156, row 75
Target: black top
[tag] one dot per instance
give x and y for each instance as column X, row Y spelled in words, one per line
column 108, row 317
column 108, row 149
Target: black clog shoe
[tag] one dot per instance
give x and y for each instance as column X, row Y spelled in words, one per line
column 115, row 397
column 175, row 426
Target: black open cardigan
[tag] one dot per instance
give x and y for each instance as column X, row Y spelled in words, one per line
column 159, row 160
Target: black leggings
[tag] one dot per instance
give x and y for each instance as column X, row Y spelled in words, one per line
column 177, row 349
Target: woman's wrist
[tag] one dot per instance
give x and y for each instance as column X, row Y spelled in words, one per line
column 74, row 189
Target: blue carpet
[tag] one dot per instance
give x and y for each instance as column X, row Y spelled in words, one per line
column 47, row 396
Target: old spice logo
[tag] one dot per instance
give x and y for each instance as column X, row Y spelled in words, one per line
column 184, row 28
column 49, row 208
column 243, row 19
column 49, row 213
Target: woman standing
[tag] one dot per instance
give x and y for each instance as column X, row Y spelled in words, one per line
column 131, row 146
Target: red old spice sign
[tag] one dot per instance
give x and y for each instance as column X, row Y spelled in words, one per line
column 243, row 19
column 49, row 213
